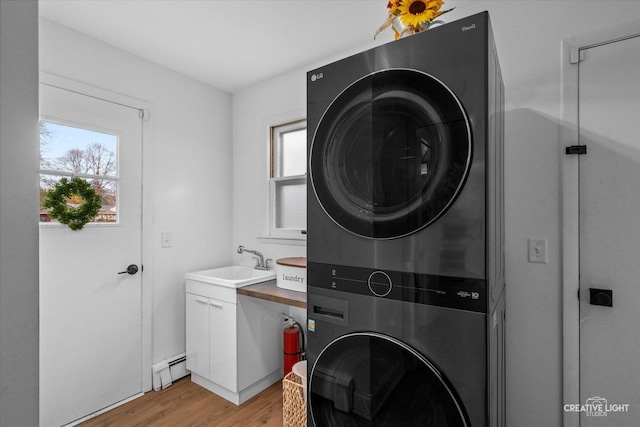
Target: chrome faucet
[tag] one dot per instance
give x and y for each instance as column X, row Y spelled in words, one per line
column 260, row 262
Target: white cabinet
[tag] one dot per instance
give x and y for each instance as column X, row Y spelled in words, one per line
column 222, row 332
column 211, row 339
column 198, row 334
column 222, row 345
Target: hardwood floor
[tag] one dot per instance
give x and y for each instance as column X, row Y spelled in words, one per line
column 185, row 403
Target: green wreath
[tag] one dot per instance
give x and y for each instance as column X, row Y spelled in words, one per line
column 74, row 217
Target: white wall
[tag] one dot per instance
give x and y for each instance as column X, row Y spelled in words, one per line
column 528, row 35
column 253, row 109
column 19, row 213
column 191, row 165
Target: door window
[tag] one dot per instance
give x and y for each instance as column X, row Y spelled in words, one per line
column 69, row 151
column 390, row 154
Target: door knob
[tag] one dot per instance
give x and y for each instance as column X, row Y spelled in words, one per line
column 601, row 297
column 132, row 269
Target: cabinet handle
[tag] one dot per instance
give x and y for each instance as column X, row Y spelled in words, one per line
column 213, row 304
column 201, row 301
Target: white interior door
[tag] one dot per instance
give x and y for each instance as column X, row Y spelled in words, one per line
column 91, row 316
column 609, row 126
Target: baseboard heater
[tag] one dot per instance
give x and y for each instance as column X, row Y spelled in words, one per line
column 169, row 370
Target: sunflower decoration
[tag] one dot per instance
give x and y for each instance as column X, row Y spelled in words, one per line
column 412, row 16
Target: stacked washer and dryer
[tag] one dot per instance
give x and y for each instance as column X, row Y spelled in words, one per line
column 405, row 234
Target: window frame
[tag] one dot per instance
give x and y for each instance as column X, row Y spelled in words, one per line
column 275, row 130
column 115, row 178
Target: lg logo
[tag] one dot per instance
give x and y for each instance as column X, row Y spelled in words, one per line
column 315, row 77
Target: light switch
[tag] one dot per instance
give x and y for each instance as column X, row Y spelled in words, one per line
column 166, row 239
column 537, row 250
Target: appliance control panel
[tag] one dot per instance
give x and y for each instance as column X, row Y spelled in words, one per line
column 454, row 292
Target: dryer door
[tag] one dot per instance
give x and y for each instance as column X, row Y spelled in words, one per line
column 370, row 379
column 390, row 154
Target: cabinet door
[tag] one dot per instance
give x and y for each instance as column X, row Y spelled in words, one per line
column 223, row 350
column 197, row 334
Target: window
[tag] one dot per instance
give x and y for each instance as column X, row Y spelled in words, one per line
column 67, row 151
column 288, row 181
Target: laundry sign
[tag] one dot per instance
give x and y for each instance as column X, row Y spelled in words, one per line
column 296, row 278
column 291, row 273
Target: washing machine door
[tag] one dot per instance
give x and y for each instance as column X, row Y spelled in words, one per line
column 370, row 379
column 390, row 154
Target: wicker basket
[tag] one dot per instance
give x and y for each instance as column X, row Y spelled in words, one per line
column 294, row 407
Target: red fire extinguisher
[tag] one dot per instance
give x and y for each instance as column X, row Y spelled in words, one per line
column 293, row 345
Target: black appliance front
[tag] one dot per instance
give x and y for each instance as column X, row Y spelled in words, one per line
column 390, row 154
column 397, row 146
column 405, row 233
column 415, row 357
column 372, row 379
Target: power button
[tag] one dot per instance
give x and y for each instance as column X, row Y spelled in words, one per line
column 379, row 283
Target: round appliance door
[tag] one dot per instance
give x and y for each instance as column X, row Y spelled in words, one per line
column 390, row 154
column 370, row 379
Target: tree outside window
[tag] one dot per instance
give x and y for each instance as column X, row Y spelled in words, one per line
column 71, row 151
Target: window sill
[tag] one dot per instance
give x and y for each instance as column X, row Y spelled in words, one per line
column 43, row 224
column 284, row 240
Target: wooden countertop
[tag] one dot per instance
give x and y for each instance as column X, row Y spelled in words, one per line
column 271, row 292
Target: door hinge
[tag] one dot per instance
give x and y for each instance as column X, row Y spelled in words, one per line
column 576, row 149
column 576, row 55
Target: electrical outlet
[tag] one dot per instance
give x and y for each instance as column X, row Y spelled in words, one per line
column 537, row 251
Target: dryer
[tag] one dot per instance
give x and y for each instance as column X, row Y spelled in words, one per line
column 405, row 230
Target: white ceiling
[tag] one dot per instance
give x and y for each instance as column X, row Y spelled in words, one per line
column 234, row 44
column 228, row 44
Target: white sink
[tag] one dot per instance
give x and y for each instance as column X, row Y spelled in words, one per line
column 233, row 276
